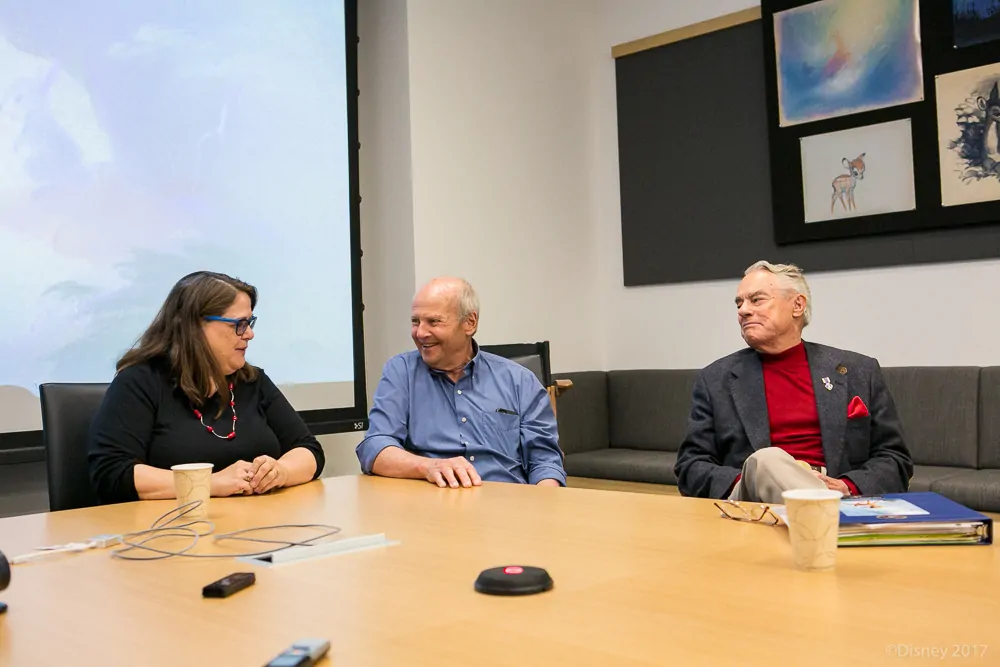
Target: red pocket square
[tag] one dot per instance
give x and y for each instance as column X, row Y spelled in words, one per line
column 857, row 408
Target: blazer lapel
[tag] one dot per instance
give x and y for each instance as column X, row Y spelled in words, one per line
column 831, row 401
column 747, row 387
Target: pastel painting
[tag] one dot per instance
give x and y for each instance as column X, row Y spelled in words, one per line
column 976, row 21
column 839, row 57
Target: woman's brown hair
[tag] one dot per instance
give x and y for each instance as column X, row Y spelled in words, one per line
column 176, row 337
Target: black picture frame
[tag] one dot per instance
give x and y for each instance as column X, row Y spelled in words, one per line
column 939, row 56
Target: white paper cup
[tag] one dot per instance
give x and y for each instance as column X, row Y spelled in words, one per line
column 193, row 481
column 813, row 527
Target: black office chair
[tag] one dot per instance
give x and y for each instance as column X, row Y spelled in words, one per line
column 67, row 411
column 534, row 357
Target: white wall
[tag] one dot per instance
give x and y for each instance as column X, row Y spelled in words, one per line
column 922, row 315
column 475, row 161
column 387, row 201
column 386, row 176
column 499, row 93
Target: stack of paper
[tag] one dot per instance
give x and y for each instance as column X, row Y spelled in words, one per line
column 908, row 519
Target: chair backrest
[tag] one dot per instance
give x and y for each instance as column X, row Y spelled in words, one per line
column 67, row 412
column 533, row 356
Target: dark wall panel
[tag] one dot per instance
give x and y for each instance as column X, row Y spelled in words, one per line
column 695, row 173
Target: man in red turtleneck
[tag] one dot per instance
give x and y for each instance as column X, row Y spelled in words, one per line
column 787, row 414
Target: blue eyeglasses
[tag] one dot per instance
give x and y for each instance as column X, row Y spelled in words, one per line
column 240, row 324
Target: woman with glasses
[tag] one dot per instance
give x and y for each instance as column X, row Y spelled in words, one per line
column 186, row 394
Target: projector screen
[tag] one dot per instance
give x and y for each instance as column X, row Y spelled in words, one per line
column 141, row 140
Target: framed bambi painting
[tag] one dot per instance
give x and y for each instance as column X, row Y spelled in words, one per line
column 883, row 116
column 840, row 180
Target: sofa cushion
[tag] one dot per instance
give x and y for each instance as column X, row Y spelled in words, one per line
column 989, row 417
column 582, row 412
column 978, row 489
column 924, row 476
column 629, row 465
column 649, row 409
column 938, row 407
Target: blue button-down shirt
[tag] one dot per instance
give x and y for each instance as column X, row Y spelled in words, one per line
column 498, row 416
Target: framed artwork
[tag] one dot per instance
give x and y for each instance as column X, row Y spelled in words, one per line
column 975, row 21
column 838, row 57
column 877, row 122
column 862, row 171
column 968, row 110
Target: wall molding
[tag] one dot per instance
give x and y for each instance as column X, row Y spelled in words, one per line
column 687, row 32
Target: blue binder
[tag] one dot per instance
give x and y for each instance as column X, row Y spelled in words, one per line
column 911, row 519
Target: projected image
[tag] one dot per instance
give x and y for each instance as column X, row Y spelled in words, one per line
column 143, row 140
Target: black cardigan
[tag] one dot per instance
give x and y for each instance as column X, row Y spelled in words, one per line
column 145, row 418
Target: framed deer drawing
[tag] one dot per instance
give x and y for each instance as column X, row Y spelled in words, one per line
column 877, row 123
column 861, row 171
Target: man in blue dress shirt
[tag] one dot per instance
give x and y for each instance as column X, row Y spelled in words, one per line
column 454, row 415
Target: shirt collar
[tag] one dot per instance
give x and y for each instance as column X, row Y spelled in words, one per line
column 469, row 367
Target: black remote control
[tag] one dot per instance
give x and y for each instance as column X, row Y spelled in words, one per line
column 226, row 586
column 303, row 653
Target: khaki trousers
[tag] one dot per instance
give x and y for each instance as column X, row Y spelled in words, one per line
column 769, row 471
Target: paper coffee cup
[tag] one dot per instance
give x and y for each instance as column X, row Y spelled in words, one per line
column 813, row 527
column 193, row 481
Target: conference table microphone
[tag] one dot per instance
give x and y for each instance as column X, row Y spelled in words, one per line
column 4, row 578
column 513, row 580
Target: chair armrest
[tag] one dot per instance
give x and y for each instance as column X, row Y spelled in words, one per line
column 562, row 385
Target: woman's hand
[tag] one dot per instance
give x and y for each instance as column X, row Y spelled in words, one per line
column 268, row 474
column 234, row 480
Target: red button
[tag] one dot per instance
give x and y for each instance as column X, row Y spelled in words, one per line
column 514, row 569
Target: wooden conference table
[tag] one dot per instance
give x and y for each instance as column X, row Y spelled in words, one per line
column 639, row 580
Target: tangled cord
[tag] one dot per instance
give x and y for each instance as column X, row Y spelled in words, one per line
column 165, row 527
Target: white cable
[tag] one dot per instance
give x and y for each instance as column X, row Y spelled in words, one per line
column 165, row 527
column 45, row 552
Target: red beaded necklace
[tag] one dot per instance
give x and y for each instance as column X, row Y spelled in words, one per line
column 232, row 405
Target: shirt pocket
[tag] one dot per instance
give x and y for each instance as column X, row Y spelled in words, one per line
column 502, row 421
column 503, row 432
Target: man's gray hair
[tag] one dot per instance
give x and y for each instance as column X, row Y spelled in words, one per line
column 467, row 299
column 794, row 279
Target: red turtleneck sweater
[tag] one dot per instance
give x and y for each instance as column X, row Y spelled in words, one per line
column 791, row 407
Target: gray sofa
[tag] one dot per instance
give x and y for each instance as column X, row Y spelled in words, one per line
column 628, row 425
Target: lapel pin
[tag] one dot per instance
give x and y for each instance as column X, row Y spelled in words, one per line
column 827, row 384
column 842, row 369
